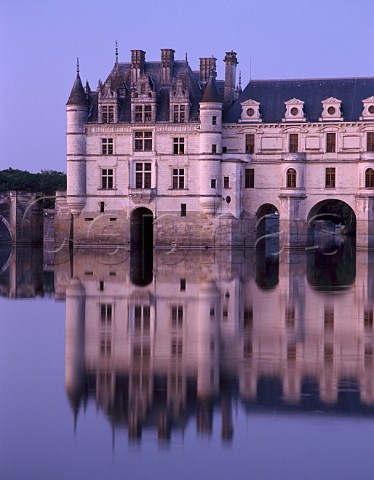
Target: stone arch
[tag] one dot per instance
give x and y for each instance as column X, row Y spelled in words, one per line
column 267, row 228
column 141, row 227
column 6, row 235
column 330, row 223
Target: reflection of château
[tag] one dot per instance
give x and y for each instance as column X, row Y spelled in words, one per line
column 207, row 326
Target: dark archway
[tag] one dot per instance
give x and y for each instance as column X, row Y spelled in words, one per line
column 330, row 222
column 141, row 255
column 141, row 228
column 267, row 228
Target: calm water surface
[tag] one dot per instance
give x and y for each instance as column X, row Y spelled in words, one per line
column 187, row 365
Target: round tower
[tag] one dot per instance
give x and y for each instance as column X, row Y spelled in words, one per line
column 210, row 147
column 77, row 115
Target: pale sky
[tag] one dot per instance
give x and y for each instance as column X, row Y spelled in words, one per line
column 41, row 39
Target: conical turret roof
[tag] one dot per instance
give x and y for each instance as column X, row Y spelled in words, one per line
column 211, row 93
column 77, row 94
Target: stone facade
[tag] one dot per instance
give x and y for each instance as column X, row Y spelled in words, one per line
column 206, row 161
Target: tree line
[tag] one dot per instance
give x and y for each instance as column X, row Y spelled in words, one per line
column 46, row 182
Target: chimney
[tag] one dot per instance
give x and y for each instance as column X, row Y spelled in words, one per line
column 137, row 64
column 167, row 64
column 207, row 68
column 230, row 77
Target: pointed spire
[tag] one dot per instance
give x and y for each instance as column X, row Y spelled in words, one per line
column 240, row 80
column 77, row 94
column 186, row 58
column 211, row 93
column 116, row 52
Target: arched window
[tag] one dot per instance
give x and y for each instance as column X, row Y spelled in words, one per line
column 369, row 178
column 291, row 178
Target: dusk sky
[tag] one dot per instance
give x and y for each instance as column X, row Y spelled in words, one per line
column 41, row 39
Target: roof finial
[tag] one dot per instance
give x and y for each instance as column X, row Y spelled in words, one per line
column 116, row 52
column 77, row 66
column 240, row 80
column 186, row 58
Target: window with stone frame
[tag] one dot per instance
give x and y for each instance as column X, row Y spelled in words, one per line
column 330, row 142
column 107, row 178
column 143, row 113
column 107, row 146
column 178, row 178
column 143, row 141
column 143, row 174
column 106, row 313
column 107, row 113
column 291, row 178
column 249, row 178
column 214, row 148
column 178, row 145
column 293, row 143
column 226, row 182
column 330, row 178
column 369, row 178
column 370, row 141
column 249, row 143
column 179, row 113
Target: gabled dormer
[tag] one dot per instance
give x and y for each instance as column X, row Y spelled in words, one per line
column 143, row 101
column 107, row 104
column 179, row 103
column 250, row 111
column 331, row 110
column 294, row 111
column 368, row 109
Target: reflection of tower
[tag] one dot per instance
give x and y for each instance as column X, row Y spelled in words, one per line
column 74, row 351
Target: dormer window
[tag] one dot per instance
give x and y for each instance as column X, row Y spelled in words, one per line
column 179, row 113
column 331, row 109
column 143, row 113
column 108, row 107
column 250, row 111
column 179, row 103
column 107, row 113
column 294, row 111
column 368, row 109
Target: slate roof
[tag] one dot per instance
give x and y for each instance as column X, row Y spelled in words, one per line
column 77, row 94
column 273, row 93
column 211, row 93
column 120, row 81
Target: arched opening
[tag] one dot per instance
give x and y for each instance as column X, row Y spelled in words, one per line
column 141, row 229
column 267, row 246
column 369, row 178
column 5, row 236
column 330, row 223
column 291, row 178
column 141, row 255
column 331, row 259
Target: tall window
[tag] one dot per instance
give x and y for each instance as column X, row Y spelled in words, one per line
column 143, row 113
column 293, row 146
column 330, row 178
column 106, row 312
column 107, row 113
column 249, row 178
column 226, row 182
column 178, row 146
column 369, row 178
column 370, row 142
column 107, row 146
column 107, row 178
column 330, row 142
column 250, row 143
column 179, row 113
column 143, row 141
column 291, row 178
column 214, row 120
column 214, row 148
column 178, row 178
column 177, row 315
column 143, row 174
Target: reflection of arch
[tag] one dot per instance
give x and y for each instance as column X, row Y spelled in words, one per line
column 141, row 229
column 369, row 178
column 291, row 178
column 5, row 231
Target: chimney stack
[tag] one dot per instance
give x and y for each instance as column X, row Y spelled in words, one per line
column 137, row 64
column 207, row 68
column 167, row 64
column 230, row 77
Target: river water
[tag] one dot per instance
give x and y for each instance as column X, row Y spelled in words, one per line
column 186, row 365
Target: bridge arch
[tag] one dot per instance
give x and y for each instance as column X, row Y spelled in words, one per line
column 6, row 235
column 334, row 215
